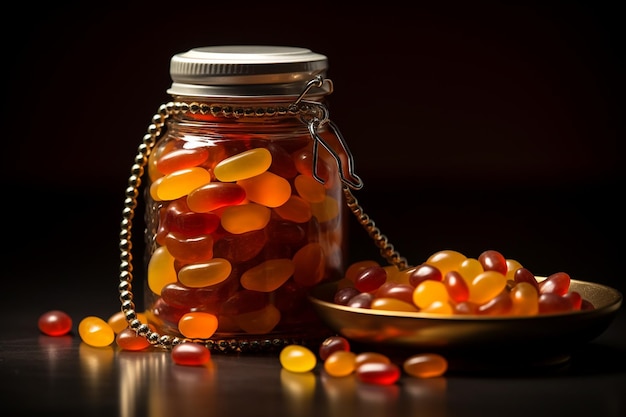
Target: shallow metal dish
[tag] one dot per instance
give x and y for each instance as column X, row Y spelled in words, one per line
column 475, row 340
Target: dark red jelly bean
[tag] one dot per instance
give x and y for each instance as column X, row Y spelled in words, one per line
column 363, row 300
column 524, row 275
column 557, row 283
column 456, row 286
column 332, row 344
column 492, row 260
column 370, row 279
column 553, row 303
column 190, row 354
column 344, row 295
column 424, row 272
column 402, row 292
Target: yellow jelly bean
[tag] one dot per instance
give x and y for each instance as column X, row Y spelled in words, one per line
column 267, row 189
column 296, row 358
column 428, row 292
column 205, row 274
column 438, row 307
column 326, row 210
column 245, row 218
column 393, row 304
column 469, row 268
column 446, row 260
column 243, row 165
column 485, row 286
column 309, row 188
column 94, row 331
column 268, row 276
column 197, row 325
column 260, row 321
column 161, row 270
column 180, row 183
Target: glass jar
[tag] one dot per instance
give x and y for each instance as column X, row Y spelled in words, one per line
column 244, row 200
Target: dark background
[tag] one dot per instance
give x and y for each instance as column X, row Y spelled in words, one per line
column 474, row 125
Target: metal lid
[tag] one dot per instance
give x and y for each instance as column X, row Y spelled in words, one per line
column 246, row 70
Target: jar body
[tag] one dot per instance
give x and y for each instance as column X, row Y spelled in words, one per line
column 238, row 227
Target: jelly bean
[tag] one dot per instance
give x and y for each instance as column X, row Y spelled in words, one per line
column 355, row 268
column 340, row 363
column 303, row 161
column 197, row 325
column 55, row 323
column 268, row 275
column 244, row 165
column 486, row 285
column 371, row 357
column 154, row 187
column 524, row 275
column 161, row 270
column 512, row 266
column 286, row 232
column 553, row 303
column 94, row 331
column 499, row 305
column 128, row 339
column 296, row 358
column 446, row 260
column 309, row 264
column 492, row 260
column 524, row 298
column 428, row 292
column 575, row 299
column 465, row 308
column 163, row 312
column 332, row 344
column 215, row 195
column 267, row 189
column 179, row 296
column 557, row 283
column 326, row 210
column 179, row 159
column 370, row 279
column 344, row 295
column 245, row 218
column 205, row 274
column 157, row 152
column 179, row 219
column 362, row 300
column 469, row 269
column 378, row 373
column 118, row 321
column 424, row 272
column 395, row 275
column 586, row 305
column 189, row 249
column 425, row 365
column 180, row 183
column 392, row 304
column 402, row 292
column 282, row 162
column 295, row 209
column 456, row 286
column 438, row 307
column 190, row 354
column 241, row 247
column 244, row 301
column 260, row 321
column 309, row 189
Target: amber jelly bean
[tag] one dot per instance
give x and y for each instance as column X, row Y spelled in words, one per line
column 340, row 363
column 425, row 365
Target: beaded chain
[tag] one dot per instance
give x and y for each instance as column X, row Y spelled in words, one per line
column 310, row 114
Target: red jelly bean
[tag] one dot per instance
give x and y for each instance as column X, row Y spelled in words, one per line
column 215, row 195
column 424, row 272
column 553, row 303
column 363, row 300
column 492, row 260
column 190, row 354
column 344, row 295
column 456, row 286
column 524, row 275
column 332, row 344
column 370, row 279
column 402, row 292
column 557, row 283
column 378, row 373
column 55, row 323
column 128, row 339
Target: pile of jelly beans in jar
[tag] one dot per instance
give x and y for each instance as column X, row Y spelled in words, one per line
column 449, row 282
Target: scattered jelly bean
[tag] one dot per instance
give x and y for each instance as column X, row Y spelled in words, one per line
column 128, row 339
column 55, row 323
column 197, row 325
column 368, row 357
column 94, row 331
column 332, row 344
column 244, row 165
column 296, row 358
column 425, row 365
column 340, row 363
column 190, row 354
column 378, row 373
column 118, row 321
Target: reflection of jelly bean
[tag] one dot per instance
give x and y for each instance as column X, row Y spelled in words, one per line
column 205, row 274
column 446, row 260
column 260, row 321
column 180, row 159
column 310, row 264
column 295, row 209
column 378, row 373
column 181, row 183
column 190, row 249
column 197, row 325
column 55, row 323
column 267, row 189
column 425, row 365
column 296, row 358
column 95, row 332
column 128, row 339
column 310, row 189
column 245, row 218
column 485, row 286
column 332, row 344
column 118, row 321
column 161, row 270
column 190, row 354
column 243, row 165
column 326, row 210
column 180, row 220
column 268, row 275
column 340, row 363
column 215, row 195
column 428, row 292
column 241, row 247
column 524, row 297
column 392, row 304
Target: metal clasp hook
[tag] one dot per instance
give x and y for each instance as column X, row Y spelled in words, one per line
column 320, row 118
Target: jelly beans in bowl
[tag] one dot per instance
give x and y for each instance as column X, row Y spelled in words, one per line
column 485, row 312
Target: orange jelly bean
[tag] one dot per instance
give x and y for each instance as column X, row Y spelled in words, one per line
column 94, row 331
column 309, row 265
column 128, row 339
column 178, row 159
column 215, row 195
column 205, row 274
column 245, row 218
column 340, row 363
column 267, row 189
column 197, row 325
column 425, row 365
column 180, row 183
column 268, row 275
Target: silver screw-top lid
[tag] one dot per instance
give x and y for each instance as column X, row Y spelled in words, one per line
column 246, row 70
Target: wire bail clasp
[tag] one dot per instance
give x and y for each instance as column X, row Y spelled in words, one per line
column 316, row 118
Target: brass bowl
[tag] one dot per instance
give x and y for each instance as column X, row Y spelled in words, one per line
column 477, row 341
